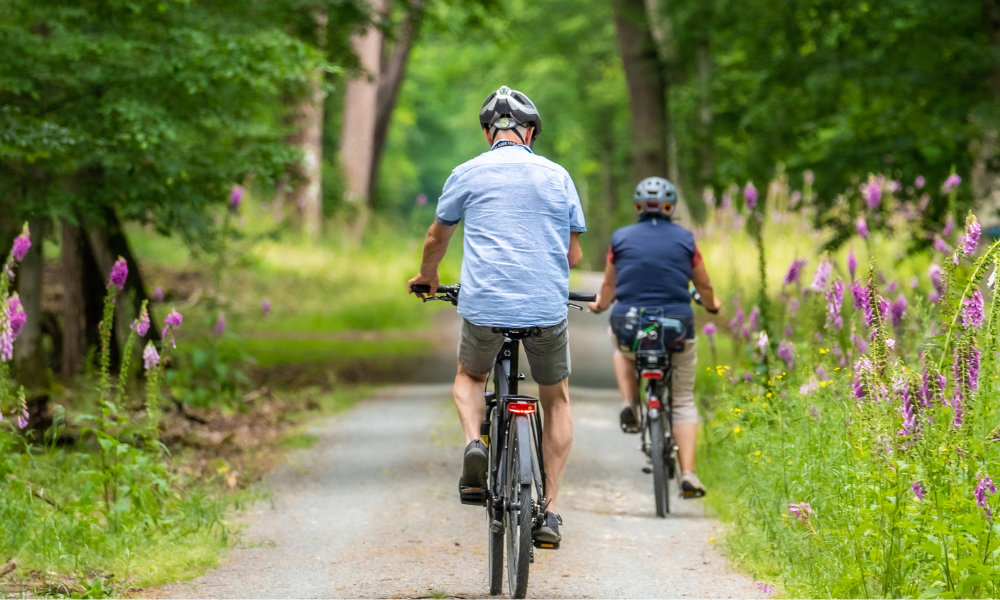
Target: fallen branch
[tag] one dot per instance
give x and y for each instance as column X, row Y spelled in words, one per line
column 8, row 567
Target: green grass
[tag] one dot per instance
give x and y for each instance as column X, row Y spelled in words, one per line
column 276, row 352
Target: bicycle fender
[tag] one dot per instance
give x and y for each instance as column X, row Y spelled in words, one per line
column 654, row 413
column 524, row 460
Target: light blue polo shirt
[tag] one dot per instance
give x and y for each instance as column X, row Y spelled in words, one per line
column 519, row 209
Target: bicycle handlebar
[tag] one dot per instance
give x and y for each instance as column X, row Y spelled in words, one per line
column 451, row 289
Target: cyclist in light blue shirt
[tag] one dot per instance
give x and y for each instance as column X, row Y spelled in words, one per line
column 522, row 220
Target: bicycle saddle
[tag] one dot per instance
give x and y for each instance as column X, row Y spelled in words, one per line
column 517, row 333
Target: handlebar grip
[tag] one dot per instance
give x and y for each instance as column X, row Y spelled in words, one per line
column 420, row 288
column 581, row 297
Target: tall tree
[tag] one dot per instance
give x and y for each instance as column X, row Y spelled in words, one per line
column 646, row 88
column 357, row 138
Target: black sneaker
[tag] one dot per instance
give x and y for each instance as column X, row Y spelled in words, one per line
column 628, row 421
column 472, row 485
column 547, row 535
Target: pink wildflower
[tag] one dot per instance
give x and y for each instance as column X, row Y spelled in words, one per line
column 802, row 510
column 822, row 277
column 236, row 197
column 17, row 316
column 220, row 324
column 174, row 319
column 862, row 227
column 119, row 272
column 265, row 306
column 951, row 183
column 21, row 245
column 750, row 194
column 919, row 182
column 150, row 357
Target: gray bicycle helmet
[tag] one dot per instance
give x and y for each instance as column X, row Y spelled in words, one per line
column 655, row 195
column 506, row 109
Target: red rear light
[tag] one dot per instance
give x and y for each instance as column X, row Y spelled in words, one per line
column 654, row 403
column 652, row 205
column 521, row 408
column 652, row 374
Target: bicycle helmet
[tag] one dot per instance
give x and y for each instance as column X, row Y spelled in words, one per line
column 508, row 109
column 655, row 195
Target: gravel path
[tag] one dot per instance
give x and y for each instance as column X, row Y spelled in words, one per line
column 373, row 511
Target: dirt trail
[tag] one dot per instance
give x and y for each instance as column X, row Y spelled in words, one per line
column 372, row 510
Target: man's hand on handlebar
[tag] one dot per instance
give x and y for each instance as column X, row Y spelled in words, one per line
column 718, row 306
column 433, row 280
column 595, row 306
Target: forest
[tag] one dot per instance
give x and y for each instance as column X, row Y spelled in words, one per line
column 209, row 210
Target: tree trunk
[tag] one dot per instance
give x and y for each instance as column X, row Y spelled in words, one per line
column 74, row 299
column 646, row 89
column 30, row 356
column 357, row 138
column 706, row 155
column 986, row 167
column 390, row 80
column 305, row 192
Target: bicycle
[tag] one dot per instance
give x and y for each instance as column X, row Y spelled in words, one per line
column 657, row 338
column 515, row 498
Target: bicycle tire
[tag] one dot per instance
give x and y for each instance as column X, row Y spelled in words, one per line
column 519, row 520
column 661, row 484
column 494, row 512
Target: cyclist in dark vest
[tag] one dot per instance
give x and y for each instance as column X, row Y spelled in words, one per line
column 649, row 266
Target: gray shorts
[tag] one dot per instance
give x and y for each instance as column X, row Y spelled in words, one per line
column 548, row 352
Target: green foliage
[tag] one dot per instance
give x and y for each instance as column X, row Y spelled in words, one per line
column 892, row 466
column 153, row 108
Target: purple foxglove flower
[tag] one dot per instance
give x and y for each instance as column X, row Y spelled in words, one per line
column 21, row 245
column 941, row 246
column 918, row 489
column 793, row 307
column 919, row 182
column 862, row 227
column 119, row 272
column 935, row 273
column 852, row 263
column 220, row 324
column 860, row 293
column 834, row 302
column 818, row 336
column 914, row 283
column 909, row 420
column 150, row 357
column 931, row 387
column 141, row 325
column 788, row 331
column 6, row 339
column 787, row 354
column 860, row 368
column 17, row 316
column 807, row 388
column 709, row 330
column 984, row 489
column 890, row 343
column 22, row 419
column 727, row 201
column 860, row 344
column 956, row 405
column 157, row 294
column 736, row 323
column 972, row 231
column 949, row 226
column 754, row 318
column 972, row 311
column 750, row 194
column 822, row 277
column 821, row 373
column 164, row 332
column 893, row 286
column 265, row 307
column 802, row 510
column 173, row 319
column 236, row 197
column 873, row 194
column 897, row 309
column 951, row 183
column 808, row 176
column 794, row 271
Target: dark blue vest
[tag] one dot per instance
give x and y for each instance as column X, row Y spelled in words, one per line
column 653, row 262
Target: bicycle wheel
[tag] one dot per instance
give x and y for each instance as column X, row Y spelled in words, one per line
column 661, row 482
column 494, row 513
column 519, row 519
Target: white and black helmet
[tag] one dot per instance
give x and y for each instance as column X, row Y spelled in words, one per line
column 507, row 109
column 655, row 195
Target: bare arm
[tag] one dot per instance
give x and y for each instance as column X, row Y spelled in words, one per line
column 608, row 290
column 575, row 254
column 699, row 276
column 435, row 247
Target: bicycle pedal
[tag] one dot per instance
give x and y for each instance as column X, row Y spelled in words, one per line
column 472, row 496
column 545, row 545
